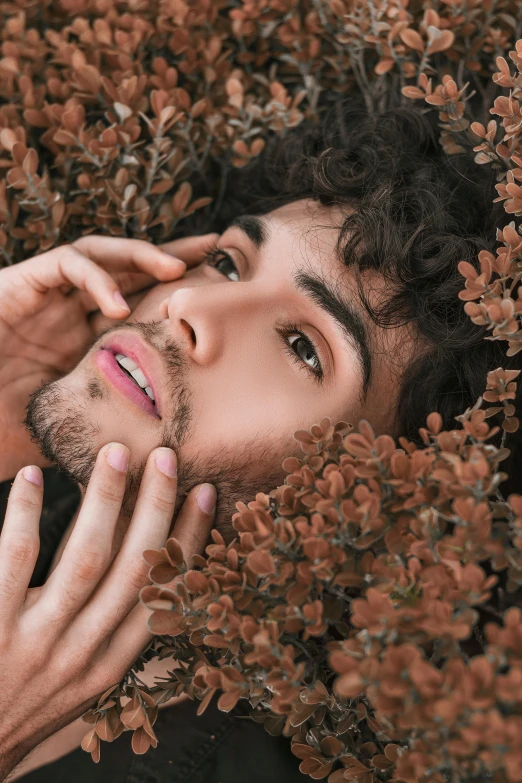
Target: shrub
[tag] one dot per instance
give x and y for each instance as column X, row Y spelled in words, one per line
column 368, row 607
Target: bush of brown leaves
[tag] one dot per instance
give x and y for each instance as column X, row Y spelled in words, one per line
column 368, row 608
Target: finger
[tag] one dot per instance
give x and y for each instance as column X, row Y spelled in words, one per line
column 190, row 249
column 132, row 255
column 148, row 529
column 99, row 322
column 67, row 265
column 128, row 283
column 19, row 541
column 194, row 521
column 192, row 529
column 87, row 554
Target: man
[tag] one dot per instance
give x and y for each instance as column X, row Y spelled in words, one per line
column 332, row 291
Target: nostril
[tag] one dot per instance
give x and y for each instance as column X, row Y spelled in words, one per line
column 191, row 332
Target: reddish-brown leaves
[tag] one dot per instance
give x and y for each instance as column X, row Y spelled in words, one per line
column 381, row 551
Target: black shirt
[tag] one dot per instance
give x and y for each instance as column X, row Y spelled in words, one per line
column 215, row 747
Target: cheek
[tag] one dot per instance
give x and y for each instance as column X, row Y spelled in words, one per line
column 242, row 403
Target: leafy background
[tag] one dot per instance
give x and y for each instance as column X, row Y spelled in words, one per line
column 369, row 607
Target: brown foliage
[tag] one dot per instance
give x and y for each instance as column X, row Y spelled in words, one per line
column 370, row 604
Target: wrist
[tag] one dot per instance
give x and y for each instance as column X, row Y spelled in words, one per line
column 12, row 753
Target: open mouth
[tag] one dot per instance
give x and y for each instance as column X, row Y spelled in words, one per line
column 128, row 378
column 135, row 372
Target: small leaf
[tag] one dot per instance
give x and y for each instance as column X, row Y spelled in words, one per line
column 153, row 557
column 123, row 112
column 132, row 714
column 261, row 562
column 162, row 186
column 163, row 622
column 196, row 582
column 206, row 701
column 440, row 40
column 163, row 573
column 8, row 138
column 412, row 39
column 141, row 741
column 175, row 551
column 90, row 740
column 227, row 701
column 103, row 729
column 182, row 198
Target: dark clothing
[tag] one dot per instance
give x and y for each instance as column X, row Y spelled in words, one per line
column 214, row 748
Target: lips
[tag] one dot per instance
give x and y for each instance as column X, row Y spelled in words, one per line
column 147, row 361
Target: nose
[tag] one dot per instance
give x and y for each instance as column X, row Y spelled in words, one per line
column 197, row 316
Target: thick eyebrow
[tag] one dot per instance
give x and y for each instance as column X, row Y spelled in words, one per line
column 254, row 227
column 344, row 315
column 322, row 294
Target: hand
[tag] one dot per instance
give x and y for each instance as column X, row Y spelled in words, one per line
column 62, row 645
column 45, row 304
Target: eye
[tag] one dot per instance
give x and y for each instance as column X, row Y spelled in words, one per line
column 301, row 349
column 222, row 261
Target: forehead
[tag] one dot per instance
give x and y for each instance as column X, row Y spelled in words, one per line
column 302, row 231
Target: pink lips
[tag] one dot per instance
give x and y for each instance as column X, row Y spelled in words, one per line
column 106, row 362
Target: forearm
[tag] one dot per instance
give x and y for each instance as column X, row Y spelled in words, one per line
column 14, row 749
column 32, row 746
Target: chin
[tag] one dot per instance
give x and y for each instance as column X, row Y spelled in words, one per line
column 57, row 422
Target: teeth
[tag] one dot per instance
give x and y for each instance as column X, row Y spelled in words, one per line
column 133, row 369
column 139, row 378
column 126, row 362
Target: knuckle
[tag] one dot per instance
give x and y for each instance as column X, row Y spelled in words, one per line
column 22, row 549
column 102, row 677
column 82, row 243
column 89, row 565
column 67, row 252
column 62, row 250
column 162, row 502
column 109, row 495
column 26, row 503
column 136, row 573
column 69, row 666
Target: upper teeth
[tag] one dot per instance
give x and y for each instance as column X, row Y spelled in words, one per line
column 132, row 368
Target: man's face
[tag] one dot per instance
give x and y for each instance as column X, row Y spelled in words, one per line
column 232, row 376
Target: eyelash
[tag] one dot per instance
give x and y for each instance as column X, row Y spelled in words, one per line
column 212, row 257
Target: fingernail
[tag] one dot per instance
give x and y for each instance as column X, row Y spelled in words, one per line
column 206, row 498
column 33, row 474
column 118, row 298
column 118, row 457
column 173, row 258
column 165, row 460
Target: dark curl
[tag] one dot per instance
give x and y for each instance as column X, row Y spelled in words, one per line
column 418, row 213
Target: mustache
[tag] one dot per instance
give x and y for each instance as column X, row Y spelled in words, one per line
column 153, row 333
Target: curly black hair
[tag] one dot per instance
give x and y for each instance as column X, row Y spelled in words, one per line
column 418, row 212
